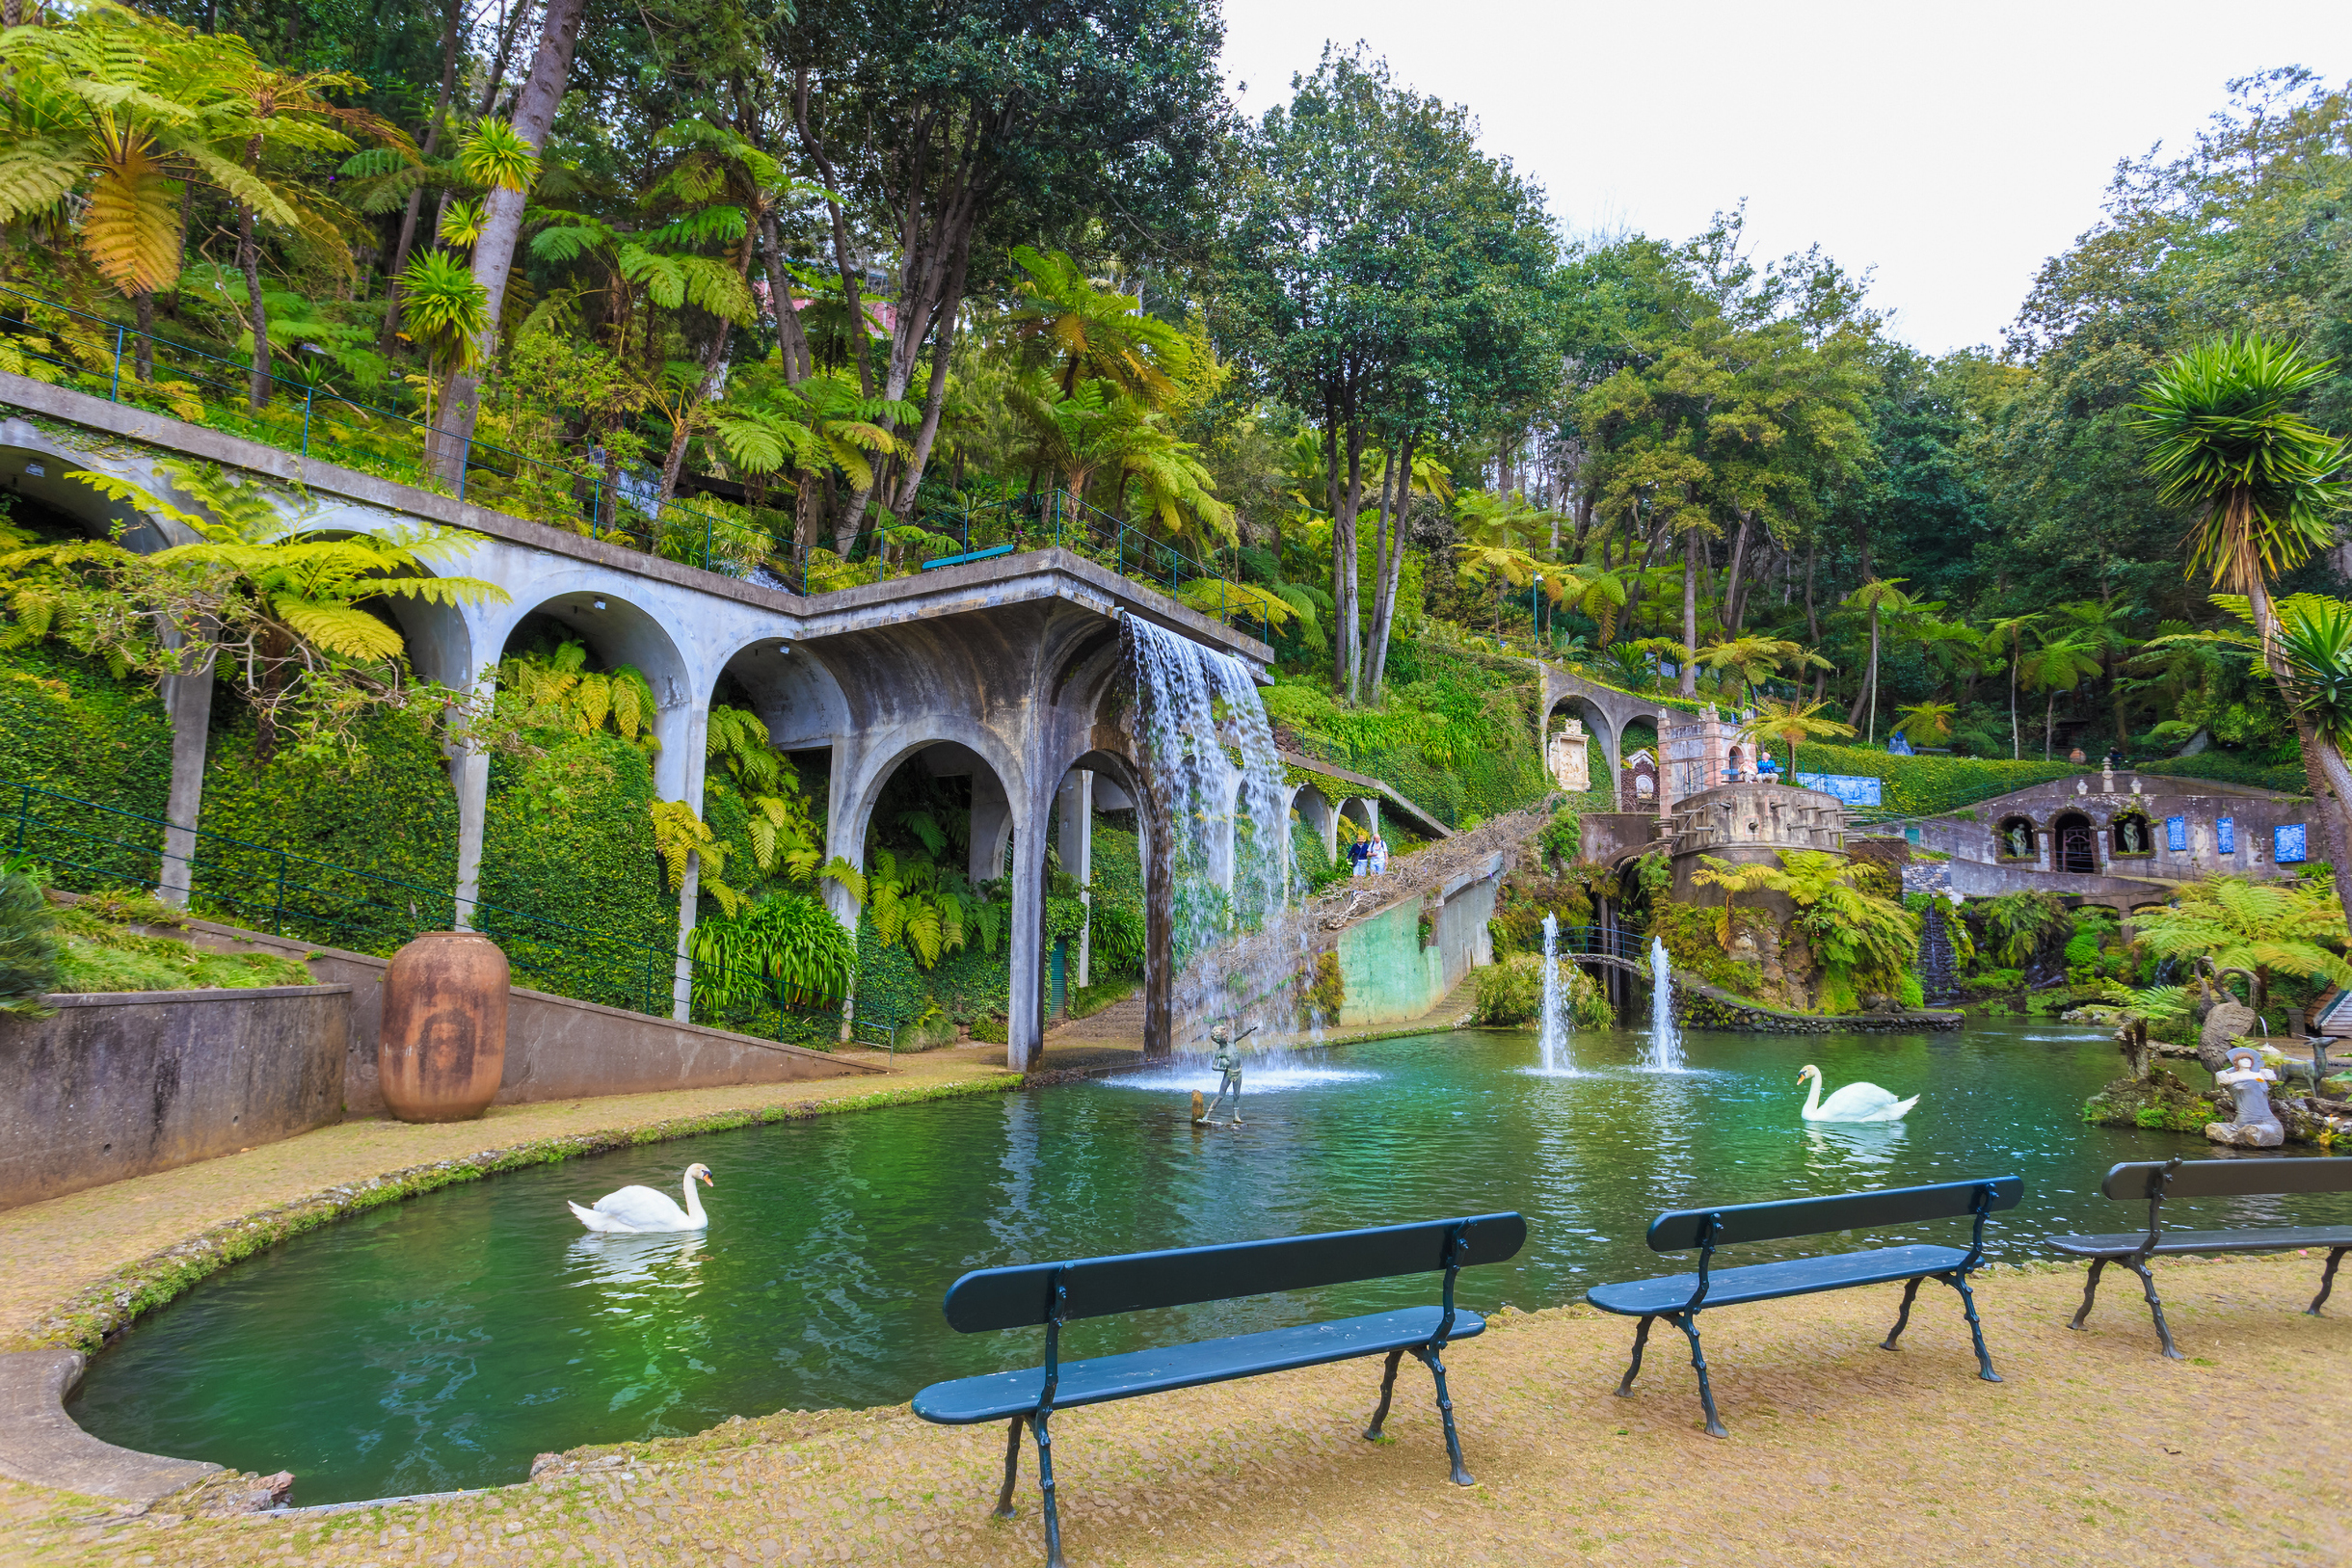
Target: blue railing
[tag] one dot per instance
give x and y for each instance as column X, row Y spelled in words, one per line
column 297, row 415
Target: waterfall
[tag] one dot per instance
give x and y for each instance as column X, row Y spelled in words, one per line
column 1665, row 1053
column 1555, row 1039
column 1210, row 763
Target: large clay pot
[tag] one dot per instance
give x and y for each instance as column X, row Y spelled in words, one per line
column 443, row 1046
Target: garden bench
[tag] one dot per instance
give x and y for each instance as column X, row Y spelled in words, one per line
column 1678, row 1298
column 2159, row 1180
column 1027, row 1295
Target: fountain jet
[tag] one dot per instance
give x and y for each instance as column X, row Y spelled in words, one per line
column 1665, row 1053
column 1555, row 1041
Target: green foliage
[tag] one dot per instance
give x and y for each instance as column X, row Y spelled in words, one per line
column 1324, row 991
column 70, row 726
column 2287, row 778
column 788, row 947
column 892, row 989
column 568, row 837
column 1510, row 992
column 2293, row 927
column 2019, row 925
column 1695, row 948
column 30, row 954
column 99, row 954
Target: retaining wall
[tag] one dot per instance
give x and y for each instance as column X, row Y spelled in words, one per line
column 1707, row 1007
column 556, row 1048
column 1391, row 977
column 121, row 1084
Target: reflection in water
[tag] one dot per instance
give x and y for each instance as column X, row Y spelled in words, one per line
column 443, row 1341
column 1259, row 1075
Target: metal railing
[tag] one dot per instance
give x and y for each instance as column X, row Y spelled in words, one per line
column 262, row 888
column 301, row 414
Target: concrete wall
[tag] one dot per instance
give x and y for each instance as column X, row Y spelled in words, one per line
column 1391, row 977
column 556, row 1048
column 117, row 1085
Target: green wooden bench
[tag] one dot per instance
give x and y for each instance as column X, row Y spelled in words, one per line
column 2153, row 1182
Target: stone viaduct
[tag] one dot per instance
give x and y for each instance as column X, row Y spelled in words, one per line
column 1004, row 670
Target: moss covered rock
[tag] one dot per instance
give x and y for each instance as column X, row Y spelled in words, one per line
column 2160, row 1103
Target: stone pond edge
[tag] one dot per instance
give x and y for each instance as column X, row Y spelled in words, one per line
column 30, row 1446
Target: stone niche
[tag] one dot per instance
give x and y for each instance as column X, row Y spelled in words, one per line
column 1571, row 761
column 1638, row 784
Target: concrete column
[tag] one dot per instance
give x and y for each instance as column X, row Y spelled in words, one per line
column 846, row 840
column 1613, row 749
column 1076, row 804
column 694, row 723
column 1024, row 1024
column 992, row 818
column 469, row 777
column 188, row 699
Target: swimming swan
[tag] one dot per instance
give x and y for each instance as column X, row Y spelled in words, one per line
column 1855, row 1102
column 635, row 1209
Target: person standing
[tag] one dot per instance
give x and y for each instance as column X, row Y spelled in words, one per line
column 1379, row 856
column 1358, row 857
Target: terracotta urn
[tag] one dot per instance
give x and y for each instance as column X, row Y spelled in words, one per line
column 442, row 1049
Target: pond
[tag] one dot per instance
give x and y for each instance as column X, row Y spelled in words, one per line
column 443, row 1342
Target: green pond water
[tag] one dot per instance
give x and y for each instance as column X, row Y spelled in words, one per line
column 443, row 1342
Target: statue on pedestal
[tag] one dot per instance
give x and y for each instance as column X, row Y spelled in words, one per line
column 2256, row 1125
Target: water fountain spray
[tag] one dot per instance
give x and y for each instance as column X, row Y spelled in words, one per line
column 1555, row 1041
column 1665, row 1053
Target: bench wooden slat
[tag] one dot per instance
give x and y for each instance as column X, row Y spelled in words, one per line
column 2284, row 1239
column 1768, row 1282
column 1021, row 1295
column 998, row 1396
column 1679, row 1230
column 2137, row 1180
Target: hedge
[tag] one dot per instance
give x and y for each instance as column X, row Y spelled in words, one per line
column 1925, row 785
column 69, row 726
column 568, row 837
column 2287, row 778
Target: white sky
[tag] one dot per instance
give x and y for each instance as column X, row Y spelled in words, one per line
column 1949, row 148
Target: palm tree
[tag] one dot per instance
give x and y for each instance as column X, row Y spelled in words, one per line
column 2057, row 663
column 1735, row 880
column 2262, row 483
column 1927, row 723
column 2010, row 632
column 1755, row 658
column 1793, row 722
column 1090, row 332
column 113, row 112
column 2102, row 624
column 1879, row 598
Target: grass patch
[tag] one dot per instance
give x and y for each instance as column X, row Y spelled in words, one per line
column 1088, row 1000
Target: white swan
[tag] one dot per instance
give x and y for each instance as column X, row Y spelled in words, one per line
column 633, row 1211
column 1855, row 1102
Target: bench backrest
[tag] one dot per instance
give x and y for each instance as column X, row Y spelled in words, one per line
column 1021, row 1295
column 1679, row 1230
column 2138, row 1180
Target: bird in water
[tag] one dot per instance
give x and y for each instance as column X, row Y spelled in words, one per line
column 636, row 1210
column 1855, row 1102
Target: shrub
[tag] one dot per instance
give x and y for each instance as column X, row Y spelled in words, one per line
column 1325, row 991
column 1928, row 785
column 1509, row 993
column 29, row 951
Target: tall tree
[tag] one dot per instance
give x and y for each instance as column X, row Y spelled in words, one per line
column 502, row 209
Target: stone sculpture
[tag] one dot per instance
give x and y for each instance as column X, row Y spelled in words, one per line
column 2256, row 1125
column 2020, row 842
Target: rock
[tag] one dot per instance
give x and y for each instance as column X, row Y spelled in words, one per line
column 2160, row 1103
column 2246, row 1134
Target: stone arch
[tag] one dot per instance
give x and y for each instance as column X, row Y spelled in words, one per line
column 2074, row 842
column 1599, row 724
column 961, row 744
column 2131, row 835
column 617, row 632
column 2006, row 844
column 36, row 468
column 1314, row 808
column 1364, row 812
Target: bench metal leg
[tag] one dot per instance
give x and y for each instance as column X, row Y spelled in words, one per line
column 1045, row 1485
column 1910, row 1288
column 1640, row 1337
column 1388, row 1387
column 2327, row 1282
column 1012, row 1469
column 2155, row 1308
column 2090, row 1291
column 1976, row 1329
column 1686, row 1322
column 1427, row 1355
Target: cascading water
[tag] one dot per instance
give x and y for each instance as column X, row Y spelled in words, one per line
column 1210, row 761
column 1554, row 1041
column 1665, row 1052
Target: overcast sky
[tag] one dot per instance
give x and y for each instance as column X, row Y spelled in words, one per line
column 1950, row 147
